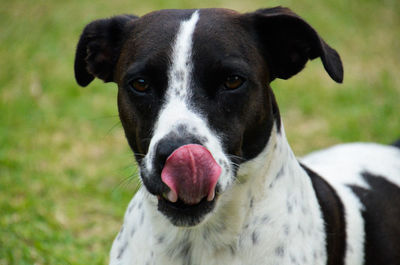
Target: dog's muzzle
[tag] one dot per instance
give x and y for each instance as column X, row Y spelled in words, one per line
column 183, row 175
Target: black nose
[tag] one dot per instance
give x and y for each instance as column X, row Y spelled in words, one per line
column 169, row 144
column 163, row 149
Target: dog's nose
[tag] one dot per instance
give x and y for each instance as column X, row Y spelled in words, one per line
column 182, row 167
column 167, row 145
column 164, row 149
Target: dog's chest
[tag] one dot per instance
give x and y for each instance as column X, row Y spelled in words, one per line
column 267, row 236
column 254, row 246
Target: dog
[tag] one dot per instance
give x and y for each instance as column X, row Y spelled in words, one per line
column 221, row 184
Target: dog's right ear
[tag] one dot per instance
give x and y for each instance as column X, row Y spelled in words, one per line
column 288, row 42
column 98, row 49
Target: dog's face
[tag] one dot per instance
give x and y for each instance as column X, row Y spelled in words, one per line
column 194, row 96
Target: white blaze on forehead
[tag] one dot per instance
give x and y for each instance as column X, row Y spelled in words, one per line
column 181, row 68
column 177, row 108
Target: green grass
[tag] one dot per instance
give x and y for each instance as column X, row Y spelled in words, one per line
column 66, row 172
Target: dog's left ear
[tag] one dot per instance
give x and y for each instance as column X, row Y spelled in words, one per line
column 288, row 42
column 98, row 49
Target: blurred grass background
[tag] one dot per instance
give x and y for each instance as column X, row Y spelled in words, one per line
column 66, row 173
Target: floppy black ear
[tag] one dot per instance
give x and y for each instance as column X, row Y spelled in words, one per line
column 288, row 42
column 98, row 49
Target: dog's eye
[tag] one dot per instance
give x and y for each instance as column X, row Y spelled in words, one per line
column 233, row 82
column 139, row 85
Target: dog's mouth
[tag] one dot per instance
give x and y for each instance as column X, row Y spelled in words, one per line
column 183, row 214
column 191, row 174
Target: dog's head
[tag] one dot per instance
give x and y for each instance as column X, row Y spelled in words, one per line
column 194, row 96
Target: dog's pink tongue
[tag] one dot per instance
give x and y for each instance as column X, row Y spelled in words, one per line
column 191, row 173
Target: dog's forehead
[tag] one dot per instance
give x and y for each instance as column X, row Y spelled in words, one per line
column 163, row 19
column 156, row 32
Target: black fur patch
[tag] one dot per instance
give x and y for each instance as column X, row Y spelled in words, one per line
column 333, row 214
column 382, row 220
column 289, row 42
column 397, row 143
column 98, row 49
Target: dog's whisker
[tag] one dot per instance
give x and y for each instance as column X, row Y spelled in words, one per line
column 133, row 177
column 118, row 123
column 139, row 154
column 123, row 183
column 235, row 156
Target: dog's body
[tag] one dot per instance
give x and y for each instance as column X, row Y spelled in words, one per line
column 221, row 184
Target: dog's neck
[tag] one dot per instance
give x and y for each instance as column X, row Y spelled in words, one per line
column 251, row 214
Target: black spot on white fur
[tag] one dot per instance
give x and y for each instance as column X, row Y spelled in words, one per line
column 233, row 249
column 130, row 208
column 289, row 206
column 293, row 259
column 185, row 253
column 254, row 237
column 141, row 217
column 120, row 233
column 251, row 202
column 160, row 239
column 122, row 250
column 179, row 75
column 265, row 219
column 280, row 173
column 133, row 230
column 286, row 229
column 280, row 251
